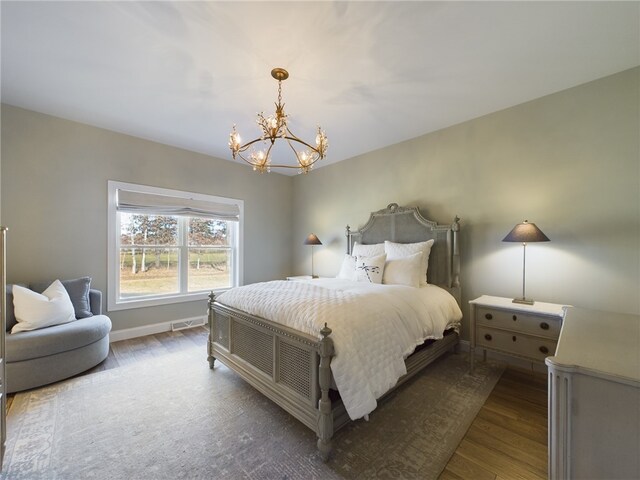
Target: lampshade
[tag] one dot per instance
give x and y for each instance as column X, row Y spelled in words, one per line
column 525, row 232
column 312, row 240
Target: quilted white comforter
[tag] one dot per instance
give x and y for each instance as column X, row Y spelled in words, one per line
column 375, row 327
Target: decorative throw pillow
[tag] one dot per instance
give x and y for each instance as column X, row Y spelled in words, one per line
column 400, row 250
column 38, row 310
column 367, row 250
column 348, row 268
column 370, row 269
column 403, row 271
column 78, row 290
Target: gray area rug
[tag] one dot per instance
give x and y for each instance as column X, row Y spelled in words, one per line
column 173, row 417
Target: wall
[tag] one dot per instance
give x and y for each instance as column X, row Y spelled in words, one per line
column 54, row 201
column 568, row 162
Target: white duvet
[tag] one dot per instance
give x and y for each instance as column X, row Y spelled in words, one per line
column 375, row 327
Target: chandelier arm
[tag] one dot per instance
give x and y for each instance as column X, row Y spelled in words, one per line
column 242, row 148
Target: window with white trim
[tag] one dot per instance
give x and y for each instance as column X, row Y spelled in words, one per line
column 168, row 246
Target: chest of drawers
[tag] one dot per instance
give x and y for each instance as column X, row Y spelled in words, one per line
column 526, row 331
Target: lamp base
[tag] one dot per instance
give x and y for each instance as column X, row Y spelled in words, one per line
column 524, row 301
column 314, row 276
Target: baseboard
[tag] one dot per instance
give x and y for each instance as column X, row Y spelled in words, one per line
column 127, row 333
column 520, row 363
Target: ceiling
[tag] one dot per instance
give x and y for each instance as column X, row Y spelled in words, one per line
column 370, row 73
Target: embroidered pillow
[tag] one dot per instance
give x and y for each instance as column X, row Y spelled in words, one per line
column 403, row 271
column 348, row 268
column 395, row 251
column 367, row 250
column 370, row 269
column 38, row 310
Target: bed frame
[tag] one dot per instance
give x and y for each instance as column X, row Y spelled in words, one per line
column 293, row 368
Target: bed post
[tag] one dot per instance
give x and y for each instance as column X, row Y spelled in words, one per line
column 455, row 228
column 325, row 414
column 210, row 358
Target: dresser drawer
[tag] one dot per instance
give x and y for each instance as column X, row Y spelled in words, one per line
column 515, row 343
column 519, row 322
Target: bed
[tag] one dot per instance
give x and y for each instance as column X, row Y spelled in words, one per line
column 292, row 363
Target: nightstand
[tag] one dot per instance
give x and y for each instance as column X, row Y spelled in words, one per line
column 526, row 331
column 300, row 277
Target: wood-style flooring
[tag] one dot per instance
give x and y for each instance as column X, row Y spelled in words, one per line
column 507, row 439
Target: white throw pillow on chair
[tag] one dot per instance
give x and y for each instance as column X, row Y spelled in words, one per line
column 38, row 310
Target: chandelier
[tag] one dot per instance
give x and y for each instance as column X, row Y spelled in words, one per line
column 276, row 127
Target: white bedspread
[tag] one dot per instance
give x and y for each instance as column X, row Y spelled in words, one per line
column 374, row 326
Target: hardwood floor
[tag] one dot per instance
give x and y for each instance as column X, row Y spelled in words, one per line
column 507, row 439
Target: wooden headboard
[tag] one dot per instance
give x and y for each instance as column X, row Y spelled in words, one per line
column 407, row 225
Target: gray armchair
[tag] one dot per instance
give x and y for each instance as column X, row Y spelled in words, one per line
column 50, row 354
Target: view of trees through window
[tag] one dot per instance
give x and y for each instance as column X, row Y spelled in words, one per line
column 161, row 255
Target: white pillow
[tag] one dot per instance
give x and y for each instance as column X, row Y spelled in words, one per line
column 348, row 268
column 367, row 250
column 370, row 269
column 403, row 271
column 395, row 251
column 34, row 310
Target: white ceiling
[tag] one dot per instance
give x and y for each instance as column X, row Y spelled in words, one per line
column 371, row 73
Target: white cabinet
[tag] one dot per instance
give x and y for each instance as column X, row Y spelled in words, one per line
column 594, row 397
column 526, row 331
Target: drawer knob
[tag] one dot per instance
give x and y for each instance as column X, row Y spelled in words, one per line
column 514, row 318
column 513, row 338
column 544, row 326
column 488, row 316
column 487, row 336
column 544, row 350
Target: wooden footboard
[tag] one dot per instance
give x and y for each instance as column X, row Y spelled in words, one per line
column 291, row 368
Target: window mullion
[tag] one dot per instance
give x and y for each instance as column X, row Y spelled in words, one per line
column 183, row 234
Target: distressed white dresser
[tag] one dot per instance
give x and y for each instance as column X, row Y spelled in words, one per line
column 594, row 397
column 526, row 331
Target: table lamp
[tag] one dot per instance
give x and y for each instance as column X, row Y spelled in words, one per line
column 525, row 232
column 312, row 240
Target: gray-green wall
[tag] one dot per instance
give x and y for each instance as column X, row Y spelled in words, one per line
column 568, row 162
column 54, row 201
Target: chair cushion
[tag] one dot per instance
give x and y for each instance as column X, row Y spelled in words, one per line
column 59, row 338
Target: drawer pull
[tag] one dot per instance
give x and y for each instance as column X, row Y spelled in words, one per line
column 487, row 336
column 513, row 338
column 544, row 326
column 514, row 318
column 488, row 316
column 544, row 349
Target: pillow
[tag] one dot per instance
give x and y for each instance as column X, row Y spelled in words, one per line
column 395, row 251
column 403, row 271
column 38, row 310
column 348, row 268
column 78, row 290
column 370, row 269
column 367, row 250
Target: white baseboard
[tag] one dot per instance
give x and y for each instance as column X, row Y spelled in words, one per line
column 127, row 333
column 508, row 359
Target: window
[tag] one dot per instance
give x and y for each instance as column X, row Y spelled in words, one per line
column 167, row 246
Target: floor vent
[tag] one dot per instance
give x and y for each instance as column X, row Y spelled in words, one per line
column 188, row 323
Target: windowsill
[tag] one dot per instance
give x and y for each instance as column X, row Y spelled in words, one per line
column 156, row 301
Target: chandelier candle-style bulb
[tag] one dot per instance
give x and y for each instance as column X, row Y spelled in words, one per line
column 275, row 127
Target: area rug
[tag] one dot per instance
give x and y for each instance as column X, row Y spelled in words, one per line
column 172, row 417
